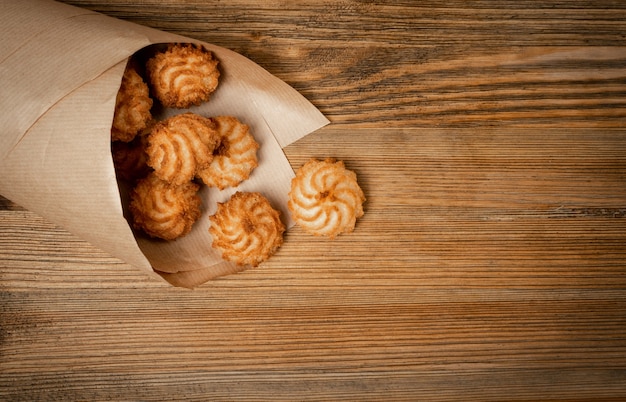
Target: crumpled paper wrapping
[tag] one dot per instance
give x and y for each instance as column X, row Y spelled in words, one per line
column 60, row 70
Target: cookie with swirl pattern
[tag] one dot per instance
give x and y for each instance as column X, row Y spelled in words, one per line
column 180, row 146
column 234, row 158
column 130, row 159
column 246, row 229
column 183, row 75
column 325, row 198
column 133, row 106
column 164, row 210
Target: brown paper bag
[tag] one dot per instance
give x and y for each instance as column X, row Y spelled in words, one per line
column 60, row 70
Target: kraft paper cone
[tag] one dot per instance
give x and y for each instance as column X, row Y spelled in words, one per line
column 60, row 70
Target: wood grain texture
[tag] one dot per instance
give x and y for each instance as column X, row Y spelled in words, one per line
column 490, row 141
column 455, row 64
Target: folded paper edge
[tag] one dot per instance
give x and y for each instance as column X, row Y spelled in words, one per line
column 149, row 36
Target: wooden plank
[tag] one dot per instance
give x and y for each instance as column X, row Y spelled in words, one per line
column 488, row 262
column 408, row 64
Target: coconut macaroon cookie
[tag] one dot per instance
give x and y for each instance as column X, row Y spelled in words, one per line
column 325, row 198
column 183, row 75
column 132, row 106
column 234, row 158
column 180, row 146
column 246, row 229
column 130, row 159
column 164, row 210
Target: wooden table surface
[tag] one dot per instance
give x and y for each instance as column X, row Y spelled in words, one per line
column 490, row 140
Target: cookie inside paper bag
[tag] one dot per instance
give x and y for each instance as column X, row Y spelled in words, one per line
column 55, row 146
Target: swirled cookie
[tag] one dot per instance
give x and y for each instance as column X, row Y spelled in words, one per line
column 234, row 158
column 164, row 210
column 183, row 75
column 246, row 229
column 180, row 146
column 325, row 198
column 132, row 106
column 130, row 159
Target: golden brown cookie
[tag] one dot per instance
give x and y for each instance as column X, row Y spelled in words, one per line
column 130, row 159
column 183, row 75
column 180, row 146
column 246, row 229
column 234, row 158
column 325, row 198
column 164, row 210
column 132, row 106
